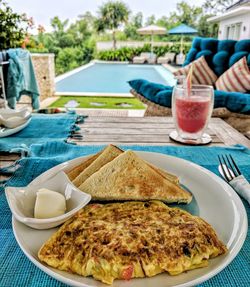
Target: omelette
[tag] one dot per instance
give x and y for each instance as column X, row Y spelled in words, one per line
column 131, row 240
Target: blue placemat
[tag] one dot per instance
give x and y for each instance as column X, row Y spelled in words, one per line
column 41, row 129
column 17, row 270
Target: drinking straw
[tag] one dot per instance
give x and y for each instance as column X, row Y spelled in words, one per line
column 189, row 81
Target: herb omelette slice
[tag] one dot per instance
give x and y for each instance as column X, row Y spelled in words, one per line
column 129, row 240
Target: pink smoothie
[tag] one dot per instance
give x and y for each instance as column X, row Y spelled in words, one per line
column 191, row 114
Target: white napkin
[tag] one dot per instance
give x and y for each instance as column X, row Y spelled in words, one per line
column 242, row 186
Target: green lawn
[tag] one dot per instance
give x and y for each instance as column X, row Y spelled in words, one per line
column 100, row 102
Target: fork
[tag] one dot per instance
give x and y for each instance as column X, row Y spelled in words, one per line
column 233, row 176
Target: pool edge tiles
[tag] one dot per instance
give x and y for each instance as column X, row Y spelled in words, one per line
column 163, row 71
column 109, row 79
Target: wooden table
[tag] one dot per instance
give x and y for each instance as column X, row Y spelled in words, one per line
column 140, row 131
column 149, row 131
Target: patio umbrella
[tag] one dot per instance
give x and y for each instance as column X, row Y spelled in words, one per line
column 182, row 30
column 152, row 30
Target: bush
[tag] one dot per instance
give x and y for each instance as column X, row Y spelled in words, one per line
column 71, row 58
column 13, row 27
column 128, row 53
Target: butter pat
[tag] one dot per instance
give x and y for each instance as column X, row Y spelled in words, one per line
column 49, row 204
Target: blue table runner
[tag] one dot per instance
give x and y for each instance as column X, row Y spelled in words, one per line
column 41, row 129
column 17, row 270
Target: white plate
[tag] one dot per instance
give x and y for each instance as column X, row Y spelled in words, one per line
column 217, row 203
column 7, row 132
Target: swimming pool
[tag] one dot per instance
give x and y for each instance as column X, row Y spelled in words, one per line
column 109, row 78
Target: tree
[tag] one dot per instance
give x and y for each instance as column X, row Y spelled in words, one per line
column 111, row 15
column 206, row 29
column 70, row 58
column 134, row 24
column 150, row 20
column 186, row 13
column 13, row 27
column 217, row 6
column 79, row 31
column 61, row 38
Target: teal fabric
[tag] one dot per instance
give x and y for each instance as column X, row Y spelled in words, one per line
column 219, row 54
column 17, row 270
column 162, row 95
column 21, row 78
column 233, row 101
column 41, row 129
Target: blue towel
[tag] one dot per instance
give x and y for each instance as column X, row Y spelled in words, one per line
column 17, row 270
column 21, row 78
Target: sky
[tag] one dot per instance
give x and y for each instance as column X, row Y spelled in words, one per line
column 43, row 10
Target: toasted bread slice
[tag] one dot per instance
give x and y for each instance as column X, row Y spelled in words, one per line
column 73, row 173
column 165, row 174
column 107, row 155
column 128, row 177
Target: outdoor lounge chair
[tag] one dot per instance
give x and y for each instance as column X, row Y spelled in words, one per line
column 152, row 58
column 141, row 59
column 167, row 58
column 149, row 58
column 233, row 107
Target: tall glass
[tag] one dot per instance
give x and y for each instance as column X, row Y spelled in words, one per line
column 192, row 111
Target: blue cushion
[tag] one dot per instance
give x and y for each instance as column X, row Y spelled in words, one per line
column 162, row 95
column 191, row 55
column 233, row 101
column 151, row 89
column 243, row 45
column 136, row 84
column 236, row 57
column 164, row 98
column 145, row 87
column 220, row 62
column 209, row 44
column 227, row 45
column 215, row 51
column 197, row 43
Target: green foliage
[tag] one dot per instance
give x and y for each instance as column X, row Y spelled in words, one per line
column 13, row 27
column 128, row 53
column 206, row 30
column 135, row 23
column 185, row 13
column 70, row 58
column 110, row 16
column 73, row 45
column 150, row 20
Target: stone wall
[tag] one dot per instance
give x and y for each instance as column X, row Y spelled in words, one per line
column 44, row 66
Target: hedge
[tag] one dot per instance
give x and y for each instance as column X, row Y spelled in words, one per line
column 128, row 53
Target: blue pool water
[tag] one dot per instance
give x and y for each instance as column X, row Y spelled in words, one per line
column 112, row 78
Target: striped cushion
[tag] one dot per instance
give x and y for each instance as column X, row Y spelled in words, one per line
column 202, row 74
column 235, row 79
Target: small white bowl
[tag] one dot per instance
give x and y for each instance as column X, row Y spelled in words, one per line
column 21, row 201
